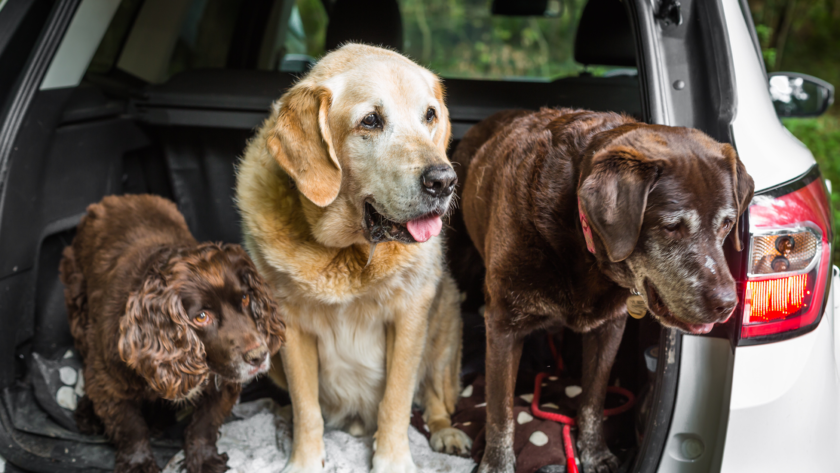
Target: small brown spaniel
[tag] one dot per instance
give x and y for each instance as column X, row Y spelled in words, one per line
column 156, row 315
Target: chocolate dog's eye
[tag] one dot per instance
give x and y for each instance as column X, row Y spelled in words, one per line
column 202, row 318
column 430, row 114
column 371, row 121
column 246, row 299
column 727, row 224
column 672, row 227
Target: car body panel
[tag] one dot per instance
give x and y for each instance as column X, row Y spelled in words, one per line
column 695, row 442
column 771, row 154
column 785, row 403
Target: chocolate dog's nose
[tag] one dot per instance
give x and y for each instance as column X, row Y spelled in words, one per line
column 723, row 302
column 256, row 356
column 439, row 181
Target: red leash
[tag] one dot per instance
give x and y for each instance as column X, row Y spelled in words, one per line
column 568, row 422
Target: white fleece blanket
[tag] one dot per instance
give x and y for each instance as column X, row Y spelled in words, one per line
column 259, row 440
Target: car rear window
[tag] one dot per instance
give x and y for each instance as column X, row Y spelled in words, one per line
column 463, row 39
column 156, row 39
column 106, row 54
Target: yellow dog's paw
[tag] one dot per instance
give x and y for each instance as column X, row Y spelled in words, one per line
column 452, row 441
column 294, row 468
column 393, row 465
column 316, row 466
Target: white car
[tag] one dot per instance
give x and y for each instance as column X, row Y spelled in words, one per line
column 103, row 97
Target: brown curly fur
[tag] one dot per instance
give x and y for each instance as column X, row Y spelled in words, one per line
column 135, row 279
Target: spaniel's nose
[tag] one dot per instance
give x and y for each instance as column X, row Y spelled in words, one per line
column 256, row 356
column 439, row 181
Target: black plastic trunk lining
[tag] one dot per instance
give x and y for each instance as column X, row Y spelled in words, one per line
column 201, row 163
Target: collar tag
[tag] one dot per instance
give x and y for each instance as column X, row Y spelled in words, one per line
column 587, row 231
column 636, row 306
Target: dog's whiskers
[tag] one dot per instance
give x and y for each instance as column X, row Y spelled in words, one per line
column 370, row 256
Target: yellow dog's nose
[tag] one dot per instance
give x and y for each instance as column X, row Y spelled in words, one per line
column 439, row 181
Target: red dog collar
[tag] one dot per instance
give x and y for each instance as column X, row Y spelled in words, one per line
column 587, row 230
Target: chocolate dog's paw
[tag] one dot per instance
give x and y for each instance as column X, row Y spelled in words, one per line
column 500, row 459
column 124, row 464
column 487, row 468
column 86, row 419
column 208, row 463
column 452, row 441
column 599, row 461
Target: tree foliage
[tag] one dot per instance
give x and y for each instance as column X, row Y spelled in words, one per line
column 800, row 35
column 462, row 39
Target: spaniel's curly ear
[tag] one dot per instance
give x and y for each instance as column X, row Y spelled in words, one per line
column 156, row 341
column 263, row 308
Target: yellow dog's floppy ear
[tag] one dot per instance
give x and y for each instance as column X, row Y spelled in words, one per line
column 302, row 145
column 444, row 132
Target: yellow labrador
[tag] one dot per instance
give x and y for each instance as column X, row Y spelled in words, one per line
column 341, row 194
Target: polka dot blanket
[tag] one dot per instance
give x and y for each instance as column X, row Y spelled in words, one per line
column 537, row 443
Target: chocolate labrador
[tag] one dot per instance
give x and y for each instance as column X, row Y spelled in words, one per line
column 574, row 212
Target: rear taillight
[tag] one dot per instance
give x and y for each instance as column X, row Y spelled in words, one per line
column 789, row 260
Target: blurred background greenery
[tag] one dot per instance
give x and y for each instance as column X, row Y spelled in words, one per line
column 463, row 39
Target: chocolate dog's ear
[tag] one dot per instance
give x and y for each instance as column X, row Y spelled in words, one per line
column 263, row 308
column 743, row 187
column 301, row 143
column 614, row 196
column 156, row 341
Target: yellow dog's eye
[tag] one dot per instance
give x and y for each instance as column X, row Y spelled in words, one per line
column 430, row 114
column 246, row 299
column 371, row 120
column 203, row 318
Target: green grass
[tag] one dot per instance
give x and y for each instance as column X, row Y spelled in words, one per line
column 822, row 136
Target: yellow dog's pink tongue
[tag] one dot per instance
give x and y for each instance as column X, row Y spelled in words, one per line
column 424, row 228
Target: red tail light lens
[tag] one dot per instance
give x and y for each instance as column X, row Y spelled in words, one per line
column 774, row 299
column 789, row 260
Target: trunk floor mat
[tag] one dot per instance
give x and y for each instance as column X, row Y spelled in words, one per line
column 260, row 440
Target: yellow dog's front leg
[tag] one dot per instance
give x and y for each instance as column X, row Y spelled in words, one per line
column 405, row 339
column 300, row 365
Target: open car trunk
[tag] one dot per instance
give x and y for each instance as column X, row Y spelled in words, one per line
column 181, row 139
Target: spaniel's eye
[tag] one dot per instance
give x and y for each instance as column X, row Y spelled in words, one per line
column 430, row 114
column 371, row 120
column 203, row 318
column 672, row 227
column 246, row 299
column 727, row 224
